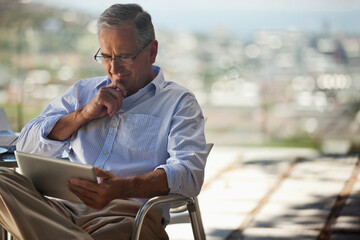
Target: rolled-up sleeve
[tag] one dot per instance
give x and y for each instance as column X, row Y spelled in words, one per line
column 187, row 149
column 33, row 137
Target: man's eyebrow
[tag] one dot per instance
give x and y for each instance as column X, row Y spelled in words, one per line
column 104, row 54
column 120, row 55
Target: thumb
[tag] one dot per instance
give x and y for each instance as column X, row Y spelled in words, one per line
column 103, row 174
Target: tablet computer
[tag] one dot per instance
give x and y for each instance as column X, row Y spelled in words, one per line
column 51, row 175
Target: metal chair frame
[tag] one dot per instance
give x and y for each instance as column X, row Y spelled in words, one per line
column 191, row 205
column 183, row 203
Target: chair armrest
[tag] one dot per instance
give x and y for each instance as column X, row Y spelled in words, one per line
column 149, row 204
column 191, row 204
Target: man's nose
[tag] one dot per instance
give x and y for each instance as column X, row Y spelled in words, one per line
column 115, row 67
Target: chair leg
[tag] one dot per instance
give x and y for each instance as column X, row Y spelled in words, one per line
column 5, row 235
column 196, row 221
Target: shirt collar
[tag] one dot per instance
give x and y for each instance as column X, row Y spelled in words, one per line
column 149, row 90
column 159, row 80
column 155, row 85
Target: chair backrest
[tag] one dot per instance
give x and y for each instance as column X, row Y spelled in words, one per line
column 209, row 147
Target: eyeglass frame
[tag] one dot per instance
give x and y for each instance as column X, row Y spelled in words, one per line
column 119, row 57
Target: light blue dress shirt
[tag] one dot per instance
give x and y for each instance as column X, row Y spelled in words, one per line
column 160, row 126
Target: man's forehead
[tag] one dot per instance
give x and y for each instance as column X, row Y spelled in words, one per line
column 121, row 39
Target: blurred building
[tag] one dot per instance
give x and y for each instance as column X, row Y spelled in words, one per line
column 277, row 86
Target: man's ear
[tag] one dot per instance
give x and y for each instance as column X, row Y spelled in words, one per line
column 153, row 50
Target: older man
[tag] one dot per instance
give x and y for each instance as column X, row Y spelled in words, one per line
column 144, row 135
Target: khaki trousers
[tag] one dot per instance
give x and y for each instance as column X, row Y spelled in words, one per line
column 28, row 215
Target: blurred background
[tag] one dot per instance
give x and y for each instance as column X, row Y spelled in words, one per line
column 266, row 73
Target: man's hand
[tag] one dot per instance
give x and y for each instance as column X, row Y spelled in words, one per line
column 107, row 101
column 96, row 195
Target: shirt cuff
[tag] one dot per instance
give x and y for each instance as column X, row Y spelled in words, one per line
column 46, row 129
column 179, row 180
column 174, row 180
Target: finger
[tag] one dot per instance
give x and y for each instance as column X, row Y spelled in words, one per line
column 83, row 184
column 93, row 200
column 97, row 170
column 119, row 87
column 108, row 94
column 110, row 103
column 88, row 201
column 84, row 195
column 103, row 174
column 112, row 107
column 111, row 99
column 88, row 197
column 122, row 90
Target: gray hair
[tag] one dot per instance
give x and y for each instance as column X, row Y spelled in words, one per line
column 120, row 15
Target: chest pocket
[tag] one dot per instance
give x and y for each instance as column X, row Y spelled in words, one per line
column 140, row 132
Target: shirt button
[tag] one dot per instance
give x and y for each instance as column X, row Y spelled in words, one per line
column 114, row 124
column 106, row 152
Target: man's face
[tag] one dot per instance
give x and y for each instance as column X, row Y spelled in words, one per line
column 121, row 42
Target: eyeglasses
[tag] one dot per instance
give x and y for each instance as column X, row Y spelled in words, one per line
column 123, row 60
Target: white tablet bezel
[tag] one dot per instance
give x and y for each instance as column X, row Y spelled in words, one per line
column 51, row 175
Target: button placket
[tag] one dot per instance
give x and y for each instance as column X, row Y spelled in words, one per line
column 109, row 141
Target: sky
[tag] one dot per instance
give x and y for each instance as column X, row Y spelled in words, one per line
column 214, row 5
column 240, row 16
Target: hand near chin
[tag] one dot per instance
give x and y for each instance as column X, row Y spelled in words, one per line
column 107, row 101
